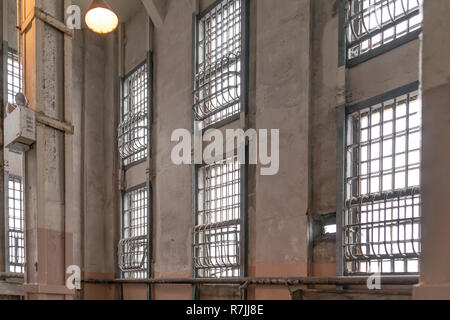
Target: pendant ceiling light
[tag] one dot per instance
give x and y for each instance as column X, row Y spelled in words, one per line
column 101, row 18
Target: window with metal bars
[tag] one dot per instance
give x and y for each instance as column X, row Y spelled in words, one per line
column 218, row 221
column 372, row 24
column 14, row 75
column 15, row 225
column 134, row 247
column 133, row 129
column 382, row 219
column 217, row 71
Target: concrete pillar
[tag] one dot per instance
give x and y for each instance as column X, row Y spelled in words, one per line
column 172, row 203
column 278, row 213
column 3, row 98
column 47, row 183
column 435, row 74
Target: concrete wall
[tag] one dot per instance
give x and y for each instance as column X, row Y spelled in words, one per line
column 435, row 82
column 326, row 87
column 46, row 239
column 96, row 100
column 95, row 103
column 333, row 86
column 295, row 86
column 278, row 221
column 172, row 200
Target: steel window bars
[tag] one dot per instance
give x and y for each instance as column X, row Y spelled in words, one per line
column 15, row 226
column 217, row 69
column 217, row 232
column 133, row 129
column 382, row 230
column 14, row 75
column 134, row 246
column 371, row 24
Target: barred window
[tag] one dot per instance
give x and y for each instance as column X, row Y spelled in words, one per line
column 217, row 85
column 133, row 130
column 217, row 240
column 14, row 75
column 15, row 226
column 371, row 24
column 382, row 221
column 134, row 246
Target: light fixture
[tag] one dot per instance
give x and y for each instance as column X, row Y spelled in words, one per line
column 101, row 18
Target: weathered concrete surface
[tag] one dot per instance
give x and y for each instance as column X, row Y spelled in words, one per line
column 135, row 292
column 325, row 91
column 156, row 9
column 99, row 292
column 94, row 153
column 324, row 257
column 289, row 91
column 96, row 100
column 11, row 24
column 135, row 42
column 45, row 184
column 384, row 73
column 172, row 203
column 278, row 221
column 435, row 76
column 3, row 157
column 78, row 143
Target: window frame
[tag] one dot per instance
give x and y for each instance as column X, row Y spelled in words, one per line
column 382, row 49
column 123, row 198
column 9, row 263
column 13, row 54
column 243, row 243
column 148, row 62
column 342, row 131
column 244, row 62
column 245, row 11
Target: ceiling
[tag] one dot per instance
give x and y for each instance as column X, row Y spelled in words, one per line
column 125, row 9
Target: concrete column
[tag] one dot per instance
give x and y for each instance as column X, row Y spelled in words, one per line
column 278, row 222
column 49, row 248
column 2, row 155
column 435, row 74
column 173, row 110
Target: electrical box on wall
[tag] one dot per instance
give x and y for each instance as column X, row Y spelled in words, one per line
column 20, row 129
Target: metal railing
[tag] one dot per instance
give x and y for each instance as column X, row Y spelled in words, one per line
column 7, row 276
column 245, row 282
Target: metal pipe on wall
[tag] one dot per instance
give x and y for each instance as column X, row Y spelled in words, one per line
column 6, row 276
column 338, row 281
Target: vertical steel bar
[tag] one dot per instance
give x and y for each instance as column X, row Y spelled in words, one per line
column 340, row 196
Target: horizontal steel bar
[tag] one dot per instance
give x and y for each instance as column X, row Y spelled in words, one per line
column 388, row 196
column 398, row 42
column 393, row 94
column 5, row 275
column 375, row 32
column 338, row 281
